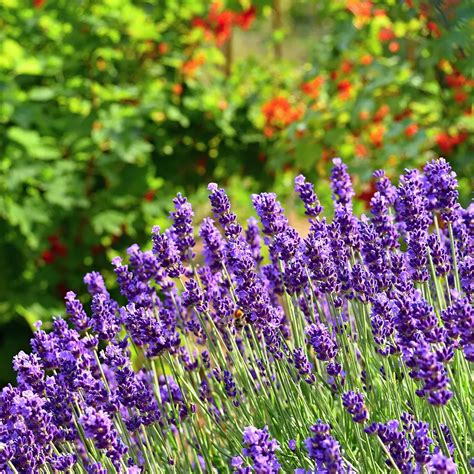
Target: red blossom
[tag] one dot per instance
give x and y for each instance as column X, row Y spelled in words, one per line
column 246, row 18
column 218, row 24
column 48, row 257
column 411, row 130
column 366, row 59
column 312, row 87
column 346, row 66
column 376, row 135
column 344, row 87
column 177, row 89
column 190, row 67
column 434, row 28
column 394, row 46
column 447, row 142
column 38, row 3
column 386, row 34
column 460, row 96
column 279, row 113
column 455, row 80
column 149, row 195
column 381, row 113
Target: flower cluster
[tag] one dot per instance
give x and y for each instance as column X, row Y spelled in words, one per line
column 265, row 330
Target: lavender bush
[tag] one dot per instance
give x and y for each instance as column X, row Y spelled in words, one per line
column 346, row 350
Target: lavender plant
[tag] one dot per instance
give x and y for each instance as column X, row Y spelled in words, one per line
column 344, row 350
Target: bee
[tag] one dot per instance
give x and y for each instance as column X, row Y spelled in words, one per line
column 239, row 318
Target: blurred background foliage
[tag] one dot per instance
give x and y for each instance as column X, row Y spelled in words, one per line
column 110, row 107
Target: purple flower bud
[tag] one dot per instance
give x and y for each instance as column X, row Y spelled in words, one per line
column 182, row 228
column 321, row 341
column 355, row 405
column 270, row 212
column 167, row 253
column 341, row 184
column 75, row 311
column 306, row 193
column 441, row 187
column 261, row 449
column 440, row 464
column 325, row 450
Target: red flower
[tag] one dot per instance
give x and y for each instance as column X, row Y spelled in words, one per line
column 163, row 48
column 246, row 18
column 455, row 80
column 447, row 142
column 344, row 87
column 460, row 96
column 394, row 46
column 364, row 115
column 149, row 195
column 386, row 34
column 218, row 24
column 279, row 113
column 361, row 150
column 402, row 115
column 376, row 136
column 177, row 89
column 366, row 60
column 411, row 130
column 434, row 28
column 190, row 67
column 38, row 3
column 312, row 88
column 361, row 9
column 381, row 113
column 48, row 257
column 346, row 66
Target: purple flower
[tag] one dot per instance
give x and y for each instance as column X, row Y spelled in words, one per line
column 220, row 205
column 439, row 255
column 270, row 212
column 182, row 228
column 411, row 204
column 459, row 322
column 261, row 449
column 440, row 464
column 384, row 186
column 104, row 320
column 396, row 443
column 441, row 187
column 383, row 221
column 167, row 252
column 354, row 403
column 427, row 369
column 466, row 273
column 325, row 450
column 306, row 193
column 382, row 323
column 75, row 311
column 321, row 341
column 193, row 296
column 421, row 443
column 229, row 384
column 302, row 365
column 341, row 184
column 95, row 283
column 99, row 427
column 252, row 236
column 213, row 244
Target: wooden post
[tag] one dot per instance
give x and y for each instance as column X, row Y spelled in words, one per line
column 229, row 54
column 277, row 25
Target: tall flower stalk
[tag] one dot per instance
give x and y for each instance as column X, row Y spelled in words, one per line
column 344, row 350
